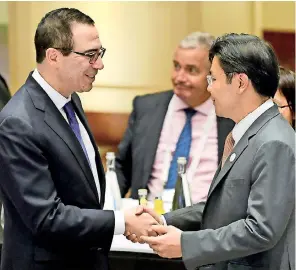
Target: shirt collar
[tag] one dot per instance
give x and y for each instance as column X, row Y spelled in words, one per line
column 58, row 99
column 204, row 108
column 242, row 126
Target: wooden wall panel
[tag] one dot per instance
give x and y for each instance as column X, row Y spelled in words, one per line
column 284, row 45
column 108, row 130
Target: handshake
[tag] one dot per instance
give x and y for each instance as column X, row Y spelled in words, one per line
column 143, row 225
column 138, row 223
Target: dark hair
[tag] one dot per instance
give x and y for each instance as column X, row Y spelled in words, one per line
column 54, row 30
column 287, row 88
column 243, row 53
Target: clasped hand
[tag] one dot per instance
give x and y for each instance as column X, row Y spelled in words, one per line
column 145, row 226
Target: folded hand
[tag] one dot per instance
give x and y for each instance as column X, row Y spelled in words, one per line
column 168, row 242
column 137, row 224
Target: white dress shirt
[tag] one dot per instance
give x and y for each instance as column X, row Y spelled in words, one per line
column 242, row 126
column 60, row 101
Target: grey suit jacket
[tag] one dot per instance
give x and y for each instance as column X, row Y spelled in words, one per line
column 52, row 208
column 136, row 152
column 248, row 217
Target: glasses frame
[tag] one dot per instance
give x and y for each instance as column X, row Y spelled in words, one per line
column 93, row 56
column 209, row 79
column 282, row 106
column 229, row 76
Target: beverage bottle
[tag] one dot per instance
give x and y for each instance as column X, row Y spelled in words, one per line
column 158, row 205
column 182, row 195
column 143, row 192
column 113, row 196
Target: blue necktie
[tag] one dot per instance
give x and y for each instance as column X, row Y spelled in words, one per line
column 74, row 125
column 182, row 148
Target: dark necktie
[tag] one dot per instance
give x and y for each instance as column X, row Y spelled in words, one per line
column 74, row 125
column 182, row 148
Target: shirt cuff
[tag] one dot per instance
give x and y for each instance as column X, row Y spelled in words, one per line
column 119, row 223
column 163, row 220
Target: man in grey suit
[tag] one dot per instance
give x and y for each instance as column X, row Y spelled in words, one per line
column 245, row 222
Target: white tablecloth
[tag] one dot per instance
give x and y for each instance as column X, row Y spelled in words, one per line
column 120, row 243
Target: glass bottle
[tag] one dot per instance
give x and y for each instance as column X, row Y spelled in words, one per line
column 142, row 193
column 113, row 195
column 179, row 199
column 158, row 205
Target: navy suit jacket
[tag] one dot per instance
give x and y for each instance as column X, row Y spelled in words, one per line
column 53, row 215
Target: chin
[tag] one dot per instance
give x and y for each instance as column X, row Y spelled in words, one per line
column 85, row 89
column 184, row 95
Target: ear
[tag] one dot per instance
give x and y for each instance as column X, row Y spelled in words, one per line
column 52, row 56
column 243, row 82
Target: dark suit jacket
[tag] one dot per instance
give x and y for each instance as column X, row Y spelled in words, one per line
column 53, row 216
column 247, row 222
column 4, row 93
column 4, row 98
column 136, row 152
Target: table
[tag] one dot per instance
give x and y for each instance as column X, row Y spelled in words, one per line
column 142, row 261
column 134, row 256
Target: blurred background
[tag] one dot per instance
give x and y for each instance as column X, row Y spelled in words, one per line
column 140, row 38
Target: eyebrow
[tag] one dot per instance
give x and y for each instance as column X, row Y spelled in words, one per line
column 191, row 66
column 186, row 66
column 93, row 50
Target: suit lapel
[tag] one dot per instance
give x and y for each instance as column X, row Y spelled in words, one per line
column 242, row 145
column 80, row 113
column 221, row 172
column 152, row 133
column 54, row 119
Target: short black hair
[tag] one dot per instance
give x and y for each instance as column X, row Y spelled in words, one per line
column 54, row 30
column 243, row 53
column 287, row 88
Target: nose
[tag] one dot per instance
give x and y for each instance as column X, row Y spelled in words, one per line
column 180, row 76
column 98, row 64
column 209, row 88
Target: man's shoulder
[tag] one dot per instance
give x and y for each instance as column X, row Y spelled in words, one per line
column 148, row 100
column 18, row 105
column 277, row 129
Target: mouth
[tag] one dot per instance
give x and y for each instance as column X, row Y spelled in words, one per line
column 92, row 77
column 182, row 87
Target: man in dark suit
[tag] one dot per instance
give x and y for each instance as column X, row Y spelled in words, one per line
column 148, row 152
column 4, row 92
column 249, row 214
column 4, row 97
column 52, row 179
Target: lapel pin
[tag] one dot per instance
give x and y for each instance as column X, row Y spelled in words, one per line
column 232, row 157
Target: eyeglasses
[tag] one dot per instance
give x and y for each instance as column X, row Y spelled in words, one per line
column 210, row 79
column 229, row 76
column 93, row 56
column 282, row 106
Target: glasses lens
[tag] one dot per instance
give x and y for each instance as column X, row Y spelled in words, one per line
column 94, row 58
column 102, row 52
column 209, row 79
column 98, row 54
